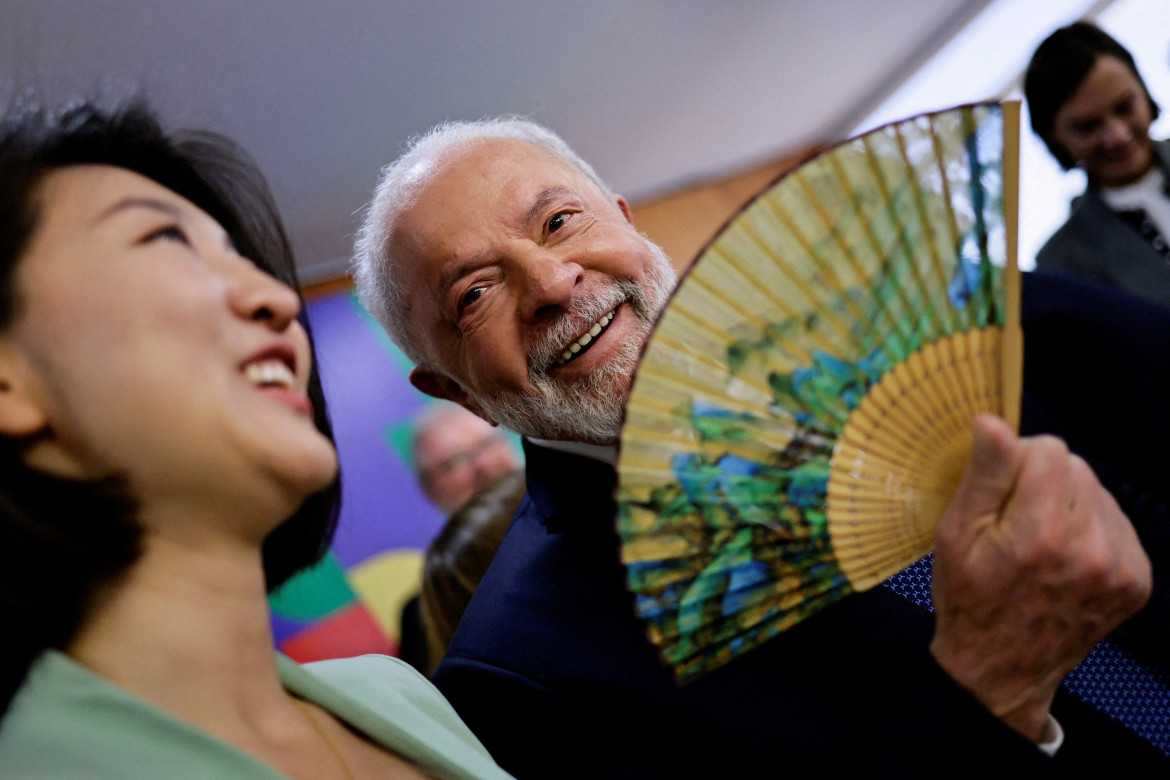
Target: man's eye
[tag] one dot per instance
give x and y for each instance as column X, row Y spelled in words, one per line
column 470, row 297
column 558, row 220
column 167, row 233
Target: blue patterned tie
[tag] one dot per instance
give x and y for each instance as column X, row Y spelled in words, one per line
column 1112, row 680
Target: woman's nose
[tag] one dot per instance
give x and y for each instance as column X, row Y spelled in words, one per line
column 1117, row 132
column 255, row 295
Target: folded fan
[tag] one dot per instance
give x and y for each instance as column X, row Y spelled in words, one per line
column 802, row 412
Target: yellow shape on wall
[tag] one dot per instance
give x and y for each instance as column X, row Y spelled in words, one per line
column 386, row 582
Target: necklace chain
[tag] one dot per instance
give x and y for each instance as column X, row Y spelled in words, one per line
column 334, row 748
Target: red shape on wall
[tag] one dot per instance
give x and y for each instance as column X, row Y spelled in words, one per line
column 347, row 632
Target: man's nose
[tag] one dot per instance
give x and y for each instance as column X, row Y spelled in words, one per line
column 549, row 282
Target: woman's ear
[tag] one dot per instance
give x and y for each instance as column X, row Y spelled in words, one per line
column 21, row 414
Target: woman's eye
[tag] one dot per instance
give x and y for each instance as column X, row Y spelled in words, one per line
column 167, row 233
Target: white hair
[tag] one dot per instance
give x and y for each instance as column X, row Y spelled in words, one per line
column 374, row 267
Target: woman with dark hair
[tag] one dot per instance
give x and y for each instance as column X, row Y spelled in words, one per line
column 165, row 461
column 1089, row 104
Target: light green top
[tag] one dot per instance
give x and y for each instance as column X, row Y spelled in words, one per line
column 67, row 722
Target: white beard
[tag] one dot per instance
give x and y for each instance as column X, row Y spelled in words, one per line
column 589, row 408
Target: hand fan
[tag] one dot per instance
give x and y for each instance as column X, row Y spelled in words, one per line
column 802, row 412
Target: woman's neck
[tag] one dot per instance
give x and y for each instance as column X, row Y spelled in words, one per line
column 187, row 629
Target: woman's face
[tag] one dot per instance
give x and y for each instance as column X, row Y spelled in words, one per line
column 1105, row 125
column 145, row 346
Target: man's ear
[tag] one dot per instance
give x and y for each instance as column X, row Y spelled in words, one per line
column 627, row 212
column 21, row 414
column 446, row 388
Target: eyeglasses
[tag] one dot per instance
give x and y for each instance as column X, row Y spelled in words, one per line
column 444, row 468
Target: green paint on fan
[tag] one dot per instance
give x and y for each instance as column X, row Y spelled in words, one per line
column 805, row 302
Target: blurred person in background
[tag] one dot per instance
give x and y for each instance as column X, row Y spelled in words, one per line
column 455, row 455
column 1089, row 104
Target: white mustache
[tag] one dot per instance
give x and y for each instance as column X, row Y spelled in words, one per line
column 581, row 314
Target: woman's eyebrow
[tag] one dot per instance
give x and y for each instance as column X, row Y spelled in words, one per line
column 154, row 204
column 1126, row 97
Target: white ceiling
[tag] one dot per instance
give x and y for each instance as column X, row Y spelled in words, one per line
column 656, row 93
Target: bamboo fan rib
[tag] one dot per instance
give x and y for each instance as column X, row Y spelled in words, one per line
column 802, row 412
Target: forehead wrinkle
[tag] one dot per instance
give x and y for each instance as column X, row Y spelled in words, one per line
column 434, row 245
column 480, row 161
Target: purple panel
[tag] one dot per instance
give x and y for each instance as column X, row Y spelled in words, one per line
column 285, row 628
column 366, row 385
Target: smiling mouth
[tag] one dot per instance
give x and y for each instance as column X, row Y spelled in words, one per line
column 581, row 345
column 270, row 373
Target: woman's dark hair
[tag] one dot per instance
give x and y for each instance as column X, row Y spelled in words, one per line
column 61, row 541
column 458, row 557
column 1058, row 67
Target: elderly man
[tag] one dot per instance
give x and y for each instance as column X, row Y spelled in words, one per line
column 457, row 454
column 515, row 280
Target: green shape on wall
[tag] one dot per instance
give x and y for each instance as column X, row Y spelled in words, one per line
column 399, row 436
column 314, row 592
column 397, row 357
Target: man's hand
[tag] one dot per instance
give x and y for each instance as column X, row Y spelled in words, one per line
column 1034, row 564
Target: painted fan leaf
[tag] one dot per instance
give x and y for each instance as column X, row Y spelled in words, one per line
column 803, row 409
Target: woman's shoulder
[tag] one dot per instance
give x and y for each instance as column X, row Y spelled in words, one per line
column 389, row 701
column 66, row 721
column 1079, row 239
column 371, row 677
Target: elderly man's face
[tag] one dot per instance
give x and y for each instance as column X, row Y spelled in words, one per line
column 531, row 291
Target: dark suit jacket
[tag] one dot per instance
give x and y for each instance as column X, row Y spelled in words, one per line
column 552, row 670
column 1099, row 244
column 1097, row 374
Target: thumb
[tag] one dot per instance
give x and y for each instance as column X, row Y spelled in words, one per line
column 992, row 469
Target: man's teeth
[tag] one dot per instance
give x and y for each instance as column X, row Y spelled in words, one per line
column 270, row 373
column 577, row 346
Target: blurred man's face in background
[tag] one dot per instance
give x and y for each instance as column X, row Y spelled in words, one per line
column 457, row 454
